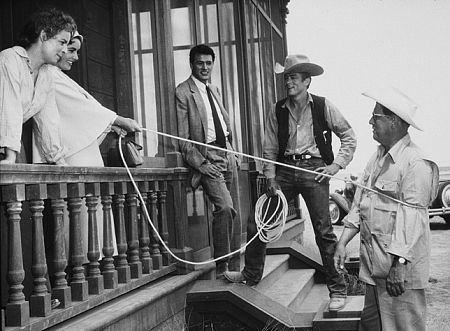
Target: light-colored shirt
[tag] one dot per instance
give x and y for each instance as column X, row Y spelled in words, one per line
column 21, row 98
column 388, row 228
column 83, row 121
column 211, row 129
column 301, row 137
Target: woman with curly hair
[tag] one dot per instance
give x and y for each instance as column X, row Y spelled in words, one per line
column 24, row 91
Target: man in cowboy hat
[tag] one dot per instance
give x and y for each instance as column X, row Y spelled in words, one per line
column 394, row 234
column 298, row 132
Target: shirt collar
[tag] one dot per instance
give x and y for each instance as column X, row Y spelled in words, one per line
column 287, row 103
column 398, row 147
column 201, row 86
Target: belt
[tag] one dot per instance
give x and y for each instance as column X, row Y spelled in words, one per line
column 297, row 157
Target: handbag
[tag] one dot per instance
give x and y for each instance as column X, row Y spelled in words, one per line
column 131, row 153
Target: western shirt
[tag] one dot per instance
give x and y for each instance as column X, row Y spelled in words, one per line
column 389, row 228
column 301, row 137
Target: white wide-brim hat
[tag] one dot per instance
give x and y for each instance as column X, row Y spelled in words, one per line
column 396, row 101
column 298, row 63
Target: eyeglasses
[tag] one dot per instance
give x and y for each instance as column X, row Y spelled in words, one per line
column 376, row 116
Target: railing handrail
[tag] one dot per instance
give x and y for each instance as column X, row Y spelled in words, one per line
column 34, row 173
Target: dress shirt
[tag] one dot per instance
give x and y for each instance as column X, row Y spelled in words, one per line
column 21, row 98
column 388, row 228
column 211, row 131
column 301, row 137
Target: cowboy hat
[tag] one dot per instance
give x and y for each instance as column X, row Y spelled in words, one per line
column 298, row 63
column 396, row 101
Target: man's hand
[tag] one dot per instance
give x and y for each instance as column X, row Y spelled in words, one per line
column 210, row 170
column 272, row 187
column 331, row 170
column 339, row 257
column 395, row 282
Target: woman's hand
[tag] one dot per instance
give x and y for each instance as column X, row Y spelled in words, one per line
column 127, row 124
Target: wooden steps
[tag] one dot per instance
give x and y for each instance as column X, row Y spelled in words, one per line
column 288, row 296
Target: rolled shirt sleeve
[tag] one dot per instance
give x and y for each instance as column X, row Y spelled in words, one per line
column 412, row 223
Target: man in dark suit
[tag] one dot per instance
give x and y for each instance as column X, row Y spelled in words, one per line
column 202, row 117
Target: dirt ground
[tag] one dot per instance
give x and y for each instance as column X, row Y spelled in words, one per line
column 438, row 291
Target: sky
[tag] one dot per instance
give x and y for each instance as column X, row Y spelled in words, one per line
column 364, row 43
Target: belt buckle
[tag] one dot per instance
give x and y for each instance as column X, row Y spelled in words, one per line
column 297, row 157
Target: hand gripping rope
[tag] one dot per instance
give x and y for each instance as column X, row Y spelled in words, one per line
column 268, row 231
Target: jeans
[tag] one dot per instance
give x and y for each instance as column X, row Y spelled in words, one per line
column 218, row 192
column 316, row 195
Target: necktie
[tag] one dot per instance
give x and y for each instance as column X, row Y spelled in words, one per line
column 220, row 136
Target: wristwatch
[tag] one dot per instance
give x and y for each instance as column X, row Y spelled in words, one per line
column 401, row 260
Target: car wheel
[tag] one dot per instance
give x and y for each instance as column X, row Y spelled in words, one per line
column 443, row 198
column 336, row 213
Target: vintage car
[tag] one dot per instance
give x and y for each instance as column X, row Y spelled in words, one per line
column 341, row 200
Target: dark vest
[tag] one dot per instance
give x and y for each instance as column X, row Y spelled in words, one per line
column 322, row 133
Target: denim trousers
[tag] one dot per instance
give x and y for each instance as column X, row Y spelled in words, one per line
column 407, row 312
column 316, row 195
column 218, row 193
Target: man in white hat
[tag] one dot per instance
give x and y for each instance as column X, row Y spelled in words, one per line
column 298, row 132
column 395, row 238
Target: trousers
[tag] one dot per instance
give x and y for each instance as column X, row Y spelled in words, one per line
column 316, row 196
column 218, row 193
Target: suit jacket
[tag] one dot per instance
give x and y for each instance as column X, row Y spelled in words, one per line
column 193, row 124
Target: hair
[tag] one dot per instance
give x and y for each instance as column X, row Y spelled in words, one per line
column 201, row 49
column 51, row 21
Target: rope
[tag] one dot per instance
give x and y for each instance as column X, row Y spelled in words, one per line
column 287, row 166
column 268, row 231
column 272, row 229
column 155, row 230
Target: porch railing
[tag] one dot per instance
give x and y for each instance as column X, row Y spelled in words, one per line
column 34, row 204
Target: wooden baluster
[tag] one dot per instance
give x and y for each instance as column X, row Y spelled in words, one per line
column 109, row 272
column 153, row 211
column 94, row 276
column 40, row 300
column 144, row 237
column 78, row 284
column 162, row 220
column 132, row 234
column 17, row 309
column 179, row 219
column 60, row 291
column 122, row 267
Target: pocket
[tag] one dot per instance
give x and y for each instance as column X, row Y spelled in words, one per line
column 381, row 260
column 383, row 218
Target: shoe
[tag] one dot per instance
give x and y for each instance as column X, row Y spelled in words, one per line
column 336, row 304
column 55, row 303
column 234, row 276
